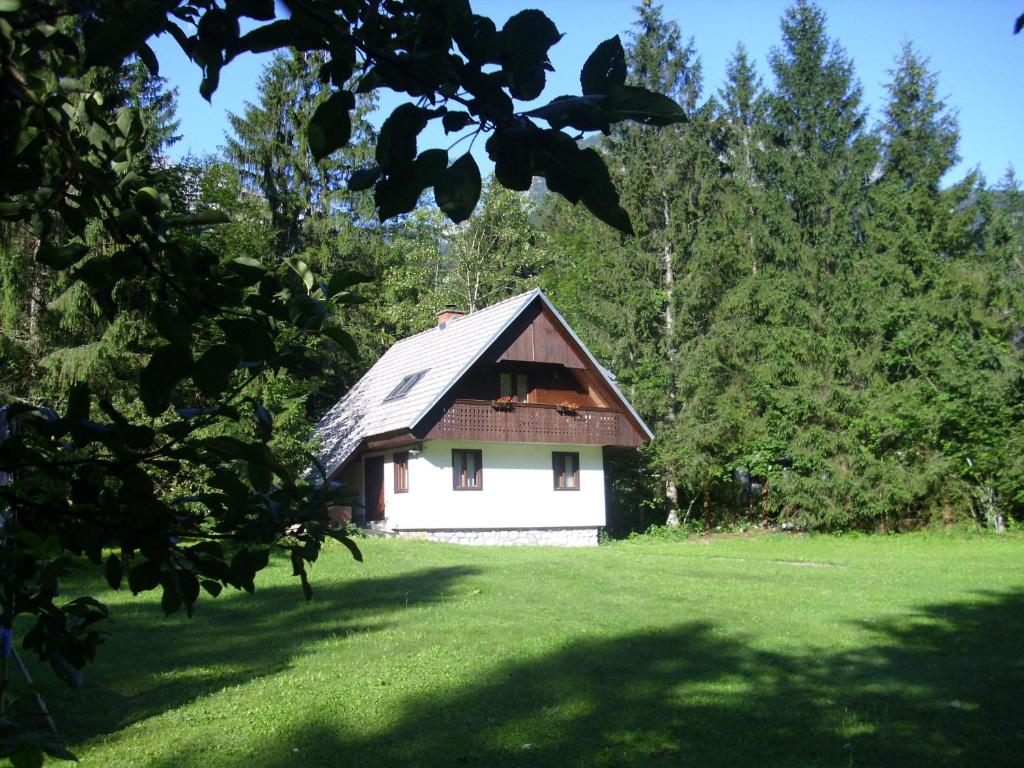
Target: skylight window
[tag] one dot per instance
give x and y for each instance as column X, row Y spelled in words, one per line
column 406, row 384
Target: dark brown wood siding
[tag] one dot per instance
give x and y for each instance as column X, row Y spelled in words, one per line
column 530, row 423
column 551, row 384
column 373, row 487
column 559, row 372
column 537, row 337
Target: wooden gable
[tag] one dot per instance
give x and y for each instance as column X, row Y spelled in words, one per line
column 559, row 371
column 537, row 337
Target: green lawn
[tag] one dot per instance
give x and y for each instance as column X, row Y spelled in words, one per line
column 772, row 651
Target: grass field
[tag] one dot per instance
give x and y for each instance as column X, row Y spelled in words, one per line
column 771, row 651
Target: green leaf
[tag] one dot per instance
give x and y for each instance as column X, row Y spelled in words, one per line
column 112, row 37
column 27, row 756
column 527, row 36
column 113, row 571
column 208, row 85
column 285, row 33
column 253, row 337
column 261, row 478
column 605, row 67
column 144, row 577
column 352, row 547
column 363, row 178
column 344, row 279
column 397, row 141
column 430, row 166
column 302, row 269
column 212, row 587
column 558, row 161
column 629, row 102
column 65, row 671
column 599, row 193
column 337, row 70
column 9, row 6
column 527, row 83
column 213, row 370
column 188, row 586
column 584, row 113
column 264, row 421
column 199, row 219
column 331, row 125
column 488, row 93
column 513, row 162
column 261, row 10
column 477, row 38
column 458, row 190
column 167, row 366
column 60, row 257
column 170, row 600
column 170, row 324
column 343, row 339
column 455, row 121
column 397, row 193
column 79, row 403
column 523, row 51
column 248, row 268
column 369, row 82
column 581, row 176
column 146, row 55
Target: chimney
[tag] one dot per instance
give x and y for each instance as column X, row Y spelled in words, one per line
column 447, row 314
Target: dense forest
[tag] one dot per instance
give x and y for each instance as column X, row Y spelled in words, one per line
column 823, row 330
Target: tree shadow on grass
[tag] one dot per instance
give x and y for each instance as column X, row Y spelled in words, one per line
column 166, row 662
column 945, row 687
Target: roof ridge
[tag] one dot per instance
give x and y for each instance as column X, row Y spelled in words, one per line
column 468, row 315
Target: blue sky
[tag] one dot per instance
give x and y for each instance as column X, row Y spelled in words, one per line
column 970, row 44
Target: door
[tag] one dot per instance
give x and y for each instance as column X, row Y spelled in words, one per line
column 373, row 468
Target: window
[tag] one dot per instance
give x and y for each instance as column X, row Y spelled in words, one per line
column 401, row 472
column 566, row 468
column 522, row 387
column 467, row 470
column 403, row 387
column 521, row 381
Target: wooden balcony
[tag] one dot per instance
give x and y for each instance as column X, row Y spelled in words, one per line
column 533, row 423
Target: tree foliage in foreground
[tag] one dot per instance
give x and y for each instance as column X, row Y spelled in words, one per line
column 99, row 476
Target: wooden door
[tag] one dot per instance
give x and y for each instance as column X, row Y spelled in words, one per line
column 374, row 487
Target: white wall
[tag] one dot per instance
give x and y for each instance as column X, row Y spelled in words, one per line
column 517, row 489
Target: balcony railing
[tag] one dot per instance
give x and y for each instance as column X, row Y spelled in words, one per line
column 532, row 423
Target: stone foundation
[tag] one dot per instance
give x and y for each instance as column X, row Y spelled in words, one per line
column 510, row 537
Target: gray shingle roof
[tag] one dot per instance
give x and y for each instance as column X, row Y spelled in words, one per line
column 444, row 353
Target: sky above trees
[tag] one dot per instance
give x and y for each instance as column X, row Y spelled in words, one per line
column 970, row 45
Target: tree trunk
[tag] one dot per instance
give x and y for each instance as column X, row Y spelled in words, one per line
column 35, row 309
column 672, row 494
column 707, row 509
column 671, row 489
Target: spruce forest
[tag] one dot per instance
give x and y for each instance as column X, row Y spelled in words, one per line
column 823, row 329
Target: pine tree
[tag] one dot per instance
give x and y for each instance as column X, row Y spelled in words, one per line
column 271, row 149
column 816, row 122
column 743, row 108
column 133, row 85
column 54, row 331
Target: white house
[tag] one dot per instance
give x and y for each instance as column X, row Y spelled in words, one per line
column 487, row 429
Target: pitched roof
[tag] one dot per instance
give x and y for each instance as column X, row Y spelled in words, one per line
column 443, row 354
